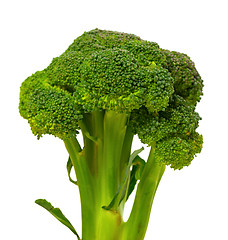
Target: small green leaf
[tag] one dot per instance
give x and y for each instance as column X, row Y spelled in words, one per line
column 136, row 173
column 139, row 163
column 57, row 213
column 123, row 189
column 69, row 167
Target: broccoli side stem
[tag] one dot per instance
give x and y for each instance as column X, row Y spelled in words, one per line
column 137, row 223
column 84, row 181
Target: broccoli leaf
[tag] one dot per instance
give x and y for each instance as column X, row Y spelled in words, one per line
column 136, row 173
column 69, row 167
column 57, row 213
column 123, row 189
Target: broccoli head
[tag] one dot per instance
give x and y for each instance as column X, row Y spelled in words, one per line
column 106, row 70
column 112, row 86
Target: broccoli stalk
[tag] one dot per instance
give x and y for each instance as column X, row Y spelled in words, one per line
column 112, row 86
column 107, row 156
column 100, row 169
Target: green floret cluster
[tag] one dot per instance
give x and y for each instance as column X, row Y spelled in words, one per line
column 178, row 152
column 49, row 110
column 113, row 79
column 146, row 52
column 112, row 71
column 173, row 131
column 98, row 40
column 64, row 71
column 187, row 81
column 100, row 70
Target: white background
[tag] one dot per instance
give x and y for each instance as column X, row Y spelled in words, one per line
column 189, row 204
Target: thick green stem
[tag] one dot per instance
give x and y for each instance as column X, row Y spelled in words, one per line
column 114, row 135
column 98, row 171
column 137, row 223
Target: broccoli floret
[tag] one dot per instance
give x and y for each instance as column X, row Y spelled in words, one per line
column 111, row 86
column 173, row 128
column 64, row 71
column 112, row 79
column 49, row 109
column 96, row 40
column 178, row 152
column 187, row 81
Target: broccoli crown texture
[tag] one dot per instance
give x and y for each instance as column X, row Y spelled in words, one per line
column 113, row 71
column 173, row 130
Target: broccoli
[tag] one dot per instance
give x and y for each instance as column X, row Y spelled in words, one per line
column 111, row 86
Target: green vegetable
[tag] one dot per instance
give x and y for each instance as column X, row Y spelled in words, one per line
column 111, row 86
column 57, row 213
